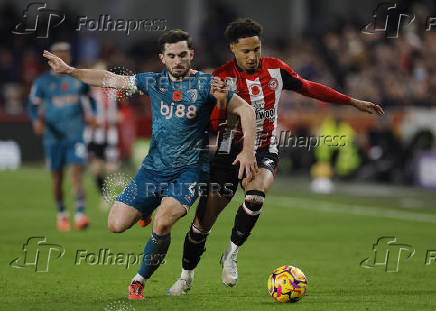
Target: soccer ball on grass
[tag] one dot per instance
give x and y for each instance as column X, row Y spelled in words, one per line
column 287, row 284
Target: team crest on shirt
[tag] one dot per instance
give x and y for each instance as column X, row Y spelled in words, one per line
column 192, row 94
column 273, row 84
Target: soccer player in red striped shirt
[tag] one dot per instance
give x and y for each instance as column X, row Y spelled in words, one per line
column 259, row 81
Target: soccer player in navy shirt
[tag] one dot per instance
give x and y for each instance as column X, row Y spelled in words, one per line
column 181, row 102
column 260, row 81
column 60, row 108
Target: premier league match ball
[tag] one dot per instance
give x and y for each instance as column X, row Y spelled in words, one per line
column 287, row 284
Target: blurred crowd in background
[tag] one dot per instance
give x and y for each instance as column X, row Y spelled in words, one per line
column 397, row 73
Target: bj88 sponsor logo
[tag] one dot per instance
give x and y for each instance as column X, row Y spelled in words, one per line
column 178, row 110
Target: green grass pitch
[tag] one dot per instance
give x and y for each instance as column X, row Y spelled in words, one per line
column 327, row 236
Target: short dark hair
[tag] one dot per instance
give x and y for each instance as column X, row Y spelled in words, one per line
column 173, row 36
column 242, row 28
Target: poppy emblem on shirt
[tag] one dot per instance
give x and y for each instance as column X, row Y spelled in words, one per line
column 177, row 96
column 273, row 84
column 64, row 86
column 255, row 90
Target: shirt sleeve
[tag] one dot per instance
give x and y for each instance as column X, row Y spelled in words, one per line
column 292, row 81
column 214, row 101
column 218, row 116
column 142, row 82
column 35, row 100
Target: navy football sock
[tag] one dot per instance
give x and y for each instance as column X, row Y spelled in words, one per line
column 154, row 252
column 80, row 204
column 100, row 183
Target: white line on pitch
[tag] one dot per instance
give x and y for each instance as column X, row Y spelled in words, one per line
column 351, row 209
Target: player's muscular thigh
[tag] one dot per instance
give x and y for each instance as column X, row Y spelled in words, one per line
column 261, row 182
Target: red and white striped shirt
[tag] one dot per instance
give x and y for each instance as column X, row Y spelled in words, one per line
column 262, row 90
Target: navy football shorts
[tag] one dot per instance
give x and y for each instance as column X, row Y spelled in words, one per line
column 146, row 190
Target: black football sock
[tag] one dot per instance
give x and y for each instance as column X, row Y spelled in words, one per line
column 60, row 205
column 247, row 216
column 193, row 248
column 99, row 179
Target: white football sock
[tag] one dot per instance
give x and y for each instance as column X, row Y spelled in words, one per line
column 64, row 213
column 139, row 278
column 187, row 274
column 233, row 247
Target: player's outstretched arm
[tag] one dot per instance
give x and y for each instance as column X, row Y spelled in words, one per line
column 246, row 157
column 324, row 93
column 93, row 77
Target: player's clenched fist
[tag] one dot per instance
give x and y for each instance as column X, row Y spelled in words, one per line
column 57, row 64
column 219, row 89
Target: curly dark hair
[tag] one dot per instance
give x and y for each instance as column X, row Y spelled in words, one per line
column 173, row 36
column 242, row 28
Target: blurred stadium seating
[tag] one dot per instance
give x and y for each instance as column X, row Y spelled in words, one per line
column 323, row 43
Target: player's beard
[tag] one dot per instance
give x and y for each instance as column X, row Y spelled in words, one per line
column 179, row 74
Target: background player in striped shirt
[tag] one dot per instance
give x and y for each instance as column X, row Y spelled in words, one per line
column 260, row 81
column 181, row 102
column 60, row 108
column 103, row 152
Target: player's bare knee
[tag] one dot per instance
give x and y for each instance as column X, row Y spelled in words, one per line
column 162, row 225
column 115, row 220
column 115, row 226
